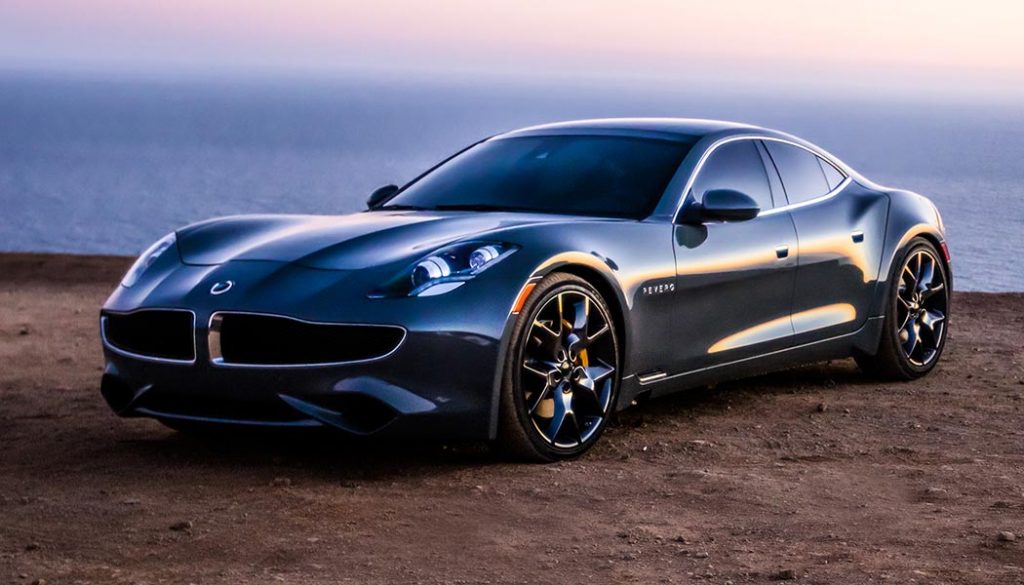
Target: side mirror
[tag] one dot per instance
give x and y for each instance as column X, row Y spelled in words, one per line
column 380, row 195
column 728, row 205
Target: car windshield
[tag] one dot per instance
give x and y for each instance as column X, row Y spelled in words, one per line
column 607, row 176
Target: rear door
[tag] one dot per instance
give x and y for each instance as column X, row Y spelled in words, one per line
column 735, row 279
column 840, row 226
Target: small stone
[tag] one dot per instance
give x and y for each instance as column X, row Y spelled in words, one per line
column 784, row 575
column 32, row 546
column 935, row 491
column 131, row 501
column 1006, row 536
column 701, row 555
column 39, row 582
column 822, row 407
column 680, row 539
column 23, row 330
column 281, row 482
column 183, row 526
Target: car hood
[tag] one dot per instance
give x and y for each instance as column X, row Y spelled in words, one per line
column 347, row 242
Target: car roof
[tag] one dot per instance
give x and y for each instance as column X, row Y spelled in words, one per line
column 688, row 129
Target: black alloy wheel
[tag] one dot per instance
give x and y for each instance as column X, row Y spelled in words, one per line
column 917, row 318
column 562, row 374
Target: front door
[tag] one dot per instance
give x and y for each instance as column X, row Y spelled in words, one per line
column 734, row 279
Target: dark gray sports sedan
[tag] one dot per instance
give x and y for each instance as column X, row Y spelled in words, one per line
column 531, row 285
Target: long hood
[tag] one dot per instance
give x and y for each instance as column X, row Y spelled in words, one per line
column 347, row 242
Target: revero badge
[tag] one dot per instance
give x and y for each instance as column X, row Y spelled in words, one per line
column 221, row 287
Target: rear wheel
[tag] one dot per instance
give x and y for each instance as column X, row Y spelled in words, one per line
column 561, row 375
column 917, row 316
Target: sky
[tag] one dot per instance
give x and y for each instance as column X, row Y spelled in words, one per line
column 943, row 44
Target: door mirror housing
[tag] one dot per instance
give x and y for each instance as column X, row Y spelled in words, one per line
column 380, row 195
column 725, row 205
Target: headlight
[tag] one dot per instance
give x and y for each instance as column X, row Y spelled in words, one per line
column 147, row 259
column 445, row 270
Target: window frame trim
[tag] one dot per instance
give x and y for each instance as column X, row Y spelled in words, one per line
column 722, row 141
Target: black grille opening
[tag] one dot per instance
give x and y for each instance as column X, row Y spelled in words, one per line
column 270, row 340
column 154, row 333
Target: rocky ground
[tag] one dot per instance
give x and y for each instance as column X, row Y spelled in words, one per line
column 815, row 475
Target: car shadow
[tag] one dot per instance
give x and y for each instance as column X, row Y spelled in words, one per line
column 333, row 456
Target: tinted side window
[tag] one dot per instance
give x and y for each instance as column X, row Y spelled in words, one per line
column 801, row 174
column 833, row 175
column 735, row 165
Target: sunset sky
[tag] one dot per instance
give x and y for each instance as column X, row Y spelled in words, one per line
column 932, row 43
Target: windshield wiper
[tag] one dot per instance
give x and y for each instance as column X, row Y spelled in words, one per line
column 484, row 207
column 400, row 207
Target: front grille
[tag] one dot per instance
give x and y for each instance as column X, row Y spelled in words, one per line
column 267, row 340
column 153, row 333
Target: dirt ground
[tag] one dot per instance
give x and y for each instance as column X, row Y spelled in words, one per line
column 816, row 475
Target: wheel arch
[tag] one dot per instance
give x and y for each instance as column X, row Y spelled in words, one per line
column 596, row 272
column 910, row 216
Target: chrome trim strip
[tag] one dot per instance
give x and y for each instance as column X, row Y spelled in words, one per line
column 714, row 146
column 107, row 344
column 649, row 377
column 828, row 195
column 216, row 359
column 767, row 354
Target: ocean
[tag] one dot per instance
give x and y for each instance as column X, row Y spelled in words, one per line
column 107, row 166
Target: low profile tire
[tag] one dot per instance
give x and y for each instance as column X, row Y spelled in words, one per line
column 562, row 372
column 917, row 316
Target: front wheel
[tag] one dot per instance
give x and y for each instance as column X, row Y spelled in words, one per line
column 917, row 316
column 561, row 375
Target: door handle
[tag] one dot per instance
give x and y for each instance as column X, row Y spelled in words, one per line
column 857, row 236
column 781, row 252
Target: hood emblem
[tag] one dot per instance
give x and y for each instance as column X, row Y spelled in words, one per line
column 221, row 287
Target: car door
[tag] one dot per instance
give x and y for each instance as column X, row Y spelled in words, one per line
column 840, row 226
column 734, row 279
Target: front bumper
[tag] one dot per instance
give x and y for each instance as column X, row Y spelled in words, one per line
column 441, row 381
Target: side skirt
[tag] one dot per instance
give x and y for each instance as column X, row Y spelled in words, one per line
column 864, row 339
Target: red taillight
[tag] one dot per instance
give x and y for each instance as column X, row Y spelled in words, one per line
column 945, row 251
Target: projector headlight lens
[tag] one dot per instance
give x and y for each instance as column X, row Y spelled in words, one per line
column 430, row 269
column 445, row 270
column 481, row 256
